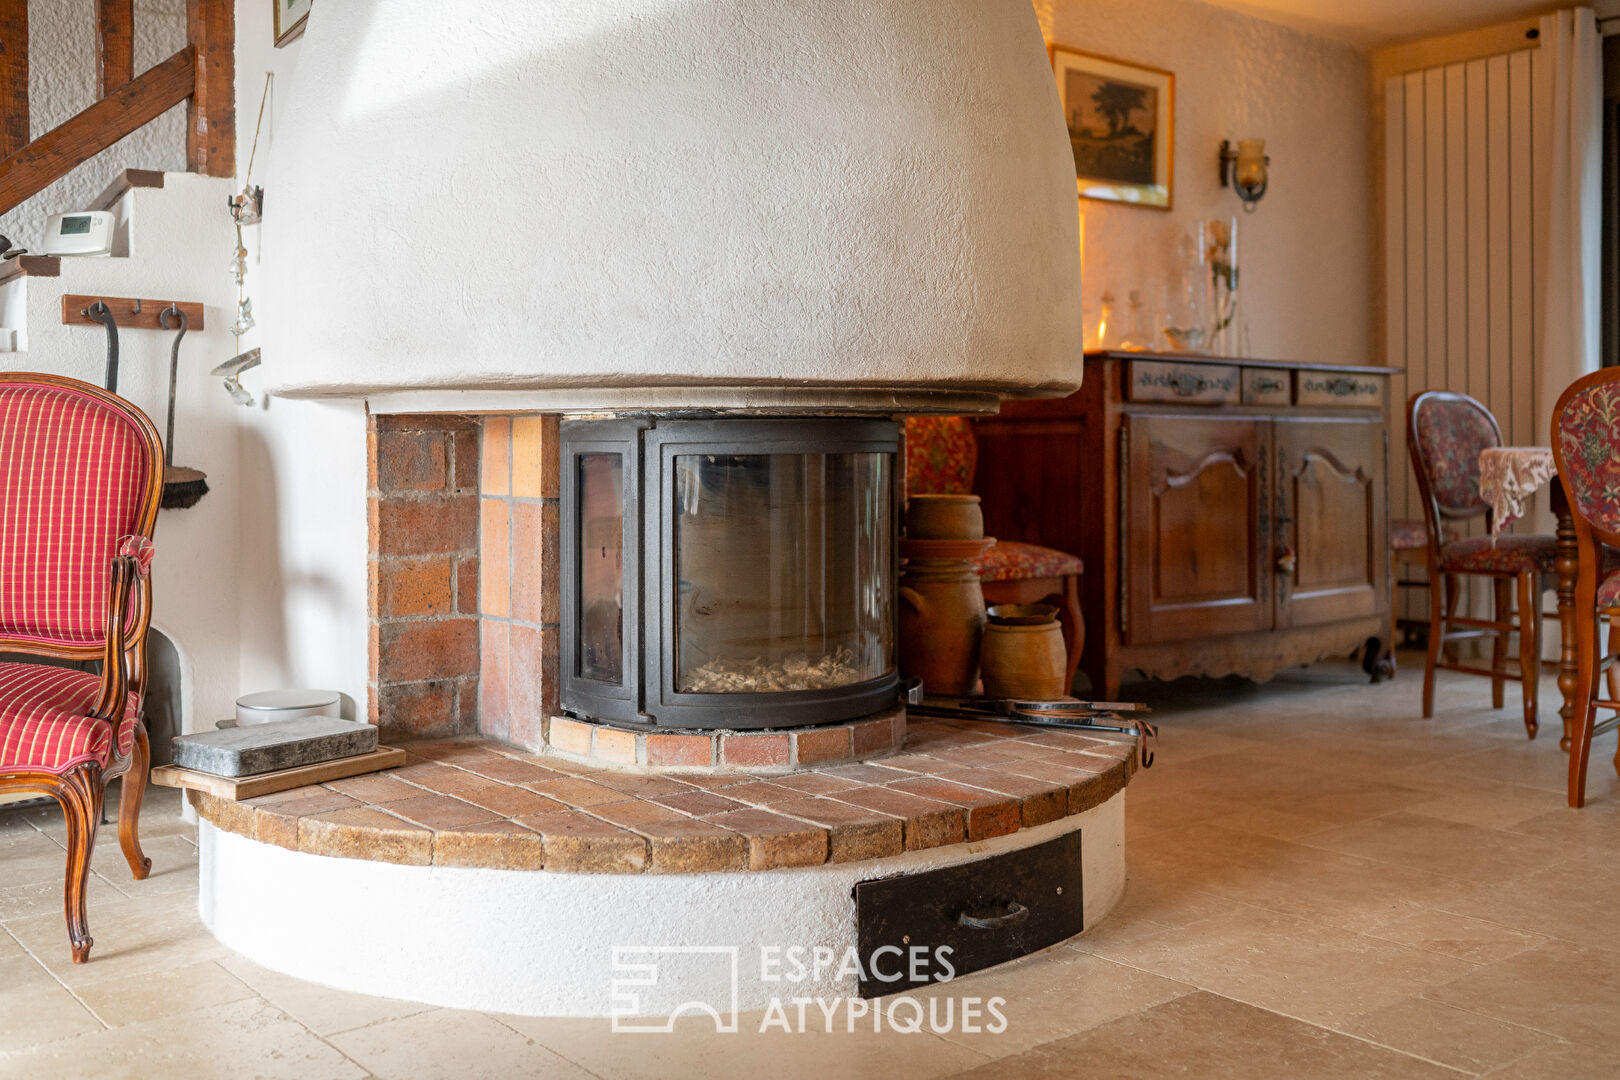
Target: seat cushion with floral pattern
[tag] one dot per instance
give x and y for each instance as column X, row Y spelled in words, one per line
column 1012, row 561
column 1589, row 446
column 1508, row 553
column 1410, row 534
column 44, row 721
column 1451, row 432
column 941, row 454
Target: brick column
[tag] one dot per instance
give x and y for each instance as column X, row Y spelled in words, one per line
column 422, row 506
column 520, row 588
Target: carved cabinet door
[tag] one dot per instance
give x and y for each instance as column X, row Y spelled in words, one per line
column 1192, row 558
column 1330, row 530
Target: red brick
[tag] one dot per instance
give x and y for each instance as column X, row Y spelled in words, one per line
column 464, row 477
column 700, row 803
column 873, row 736
column 928, row 823
column 826, row 744
column 426, row 526
column 494, row 707
column 467, row 703
column 989, row 814
column 614, row 745
column 570, row 736
column 424, row 422
column 754, row 751
column 413, row 586
column 534, row 673
column 495, row 458
column 371, row 456
column 536, row 542
column 534, row 457
column 666, row 750
column 417, row 710
column 438, row 649
column 853, row 833
column 412, row 461
column 774, row 840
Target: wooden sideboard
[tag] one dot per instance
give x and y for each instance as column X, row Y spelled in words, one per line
column 1232, row 514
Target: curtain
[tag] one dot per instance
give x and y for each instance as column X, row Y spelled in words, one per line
column 1569, row 204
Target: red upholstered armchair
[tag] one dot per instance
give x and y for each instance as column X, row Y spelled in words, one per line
column 81, row 472
column 941, row 456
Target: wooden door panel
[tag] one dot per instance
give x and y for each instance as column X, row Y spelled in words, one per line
column 1191, row 547
column 1331, row 510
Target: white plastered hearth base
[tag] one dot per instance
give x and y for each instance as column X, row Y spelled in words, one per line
column 535, row 943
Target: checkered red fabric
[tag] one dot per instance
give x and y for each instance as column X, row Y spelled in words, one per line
column 72, row 476
column 43, row 721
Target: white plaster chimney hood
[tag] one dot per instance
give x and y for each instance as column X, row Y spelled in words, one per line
column 676, row 200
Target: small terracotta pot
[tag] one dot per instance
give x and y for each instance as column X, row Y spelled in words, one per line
column 944, row 517
column 1024, row 661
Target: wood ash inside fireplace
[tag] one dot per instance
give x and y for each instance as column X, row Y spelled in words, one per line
column 759, row 676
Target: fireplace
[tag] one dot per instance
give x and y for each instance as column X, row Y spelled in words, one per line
column 728, row 573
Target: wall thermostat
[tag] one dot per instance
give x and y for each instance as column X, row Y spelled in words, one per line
column 89, row 232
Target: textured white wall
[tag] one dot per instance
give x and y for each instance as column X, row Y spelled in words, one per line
column 62, row 82
column 645, row 192
column 1306, row 254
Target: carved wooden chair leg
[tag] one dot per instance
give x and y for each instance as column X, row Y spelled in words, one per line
column 1437, row 632
column 131, row 792
column 1075, row 623
column 1503, row 588
column 1530, row 648
column 80, row 798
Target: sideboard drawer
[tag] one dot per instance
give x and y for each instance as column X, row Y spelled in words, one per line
column 1184, row 384
column 1268, row 386
column 1334, row 388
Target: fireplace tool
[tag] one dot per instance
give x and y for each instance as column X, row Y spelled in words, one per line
column 101, row 313
column 182, row 487
column 1067, row 715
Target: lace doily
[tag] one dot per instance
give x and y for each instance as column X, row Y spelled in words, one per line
column 1508, row 475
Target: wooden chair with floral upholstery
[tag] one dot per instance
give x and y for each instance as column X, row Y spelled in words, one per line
column 942, row 454
column 1445, row 433
column 1586, row 447
column 81, row 473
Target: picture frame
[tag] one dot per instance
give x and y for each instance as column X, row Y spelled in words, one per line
column 290, row 17
column 1121, row 119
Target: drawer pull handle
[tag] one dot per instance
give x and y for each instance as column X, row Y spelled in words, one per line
column 1016, row 913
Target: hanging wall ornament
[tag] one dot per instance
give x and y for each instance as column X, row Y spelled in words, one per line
column 247, row 208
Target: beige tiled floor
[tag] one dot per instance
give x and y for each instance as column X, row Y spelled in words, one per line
column 1322, row 885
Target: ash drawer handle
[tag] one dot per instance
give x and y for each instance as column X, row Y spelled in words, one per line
column 1016, row 913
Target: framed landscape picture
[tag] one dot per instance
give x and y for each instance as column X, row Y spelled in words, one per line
column 290, row 18
column 1121, row 120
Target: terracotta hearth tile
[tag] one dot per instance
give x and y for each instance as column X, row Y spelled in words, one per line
column 755, row 751
column 814, row 783
column 854, row 832
column 499, row 845
column 636, row 813
column 911, row 762
column 582, row 844
column 687, row 846
column 1041, row 800
column 412, row 461
column 1066, row 740
column 776, row 841
column 928, row 823
column 700, row 803
column 374, row 788
column 494, row 708
column 440, row 811
column 366, row 833
column 827, row 744
column 761, row 793
column 641, row 786
column 562, row 765
column 1052, row 770
column 666, row 750
column 570, row 736
column 511, row 801
column 714, row 781
column 1095, row 790
column 270, row 827
column 871, row 736
column 232, row 816
column 576, row 791
column 534, row 457
column 989, row 813
column 448, row 780
column 1018, row 749
column 449, row 750
column 311, row 799
column 536, row 550
column 864, row 774
column 494, row 559
column 614, row 745
column 509, row 770
column 495, row 456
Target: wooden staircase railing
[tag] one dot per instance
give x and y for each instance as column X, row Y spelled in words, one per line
column 202, row 74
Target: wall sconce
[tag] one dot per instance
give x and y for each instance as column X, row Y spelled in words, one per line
column 1245, row 169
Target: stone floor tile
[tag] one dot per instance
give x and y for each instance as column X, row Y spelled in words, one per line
column 321, row 1009
column 1451, row 1036
column 154, row 995
column 35, row 1008
column 443, row 1044
column 1468, row 939
column 1568, row 990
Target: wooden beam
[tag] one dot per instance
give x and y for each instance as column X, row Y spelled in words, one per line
column 26, row 172
column 13, row 76
column 115, row 44
column 211, row 114
column 129, row 178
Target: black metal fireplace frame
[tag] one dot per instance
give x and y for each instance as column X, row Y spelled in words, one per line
column 646, row 694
